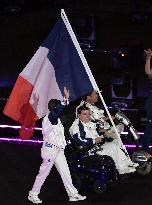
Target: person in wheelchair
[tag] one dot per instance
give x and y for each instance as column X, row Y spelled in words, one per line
column 85, row 133
column 97, row 116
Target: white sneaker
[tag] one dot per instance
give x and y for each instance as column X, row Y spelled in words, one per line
column 133, row 164
column 77, row 197
column 127, row 170
column 130, row 170
column 33, row 197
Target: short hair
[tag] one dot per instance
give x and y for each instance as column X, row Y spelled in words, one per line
column 88, row 94
column 83, row 107
column 53, row 103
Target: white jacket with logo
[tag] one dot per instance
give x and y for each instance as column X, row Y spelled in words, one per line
column 53, row 134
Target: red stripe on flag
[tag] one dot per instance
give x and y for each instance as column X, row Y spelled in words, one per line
column 19, row 108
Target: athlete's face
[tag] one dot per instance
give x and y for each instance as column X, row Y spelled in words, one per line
column 84, row 116
column 93, row 98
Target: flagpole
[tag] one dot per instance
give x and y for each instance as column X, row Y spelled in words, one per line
column 87, row 68
column 77, row 46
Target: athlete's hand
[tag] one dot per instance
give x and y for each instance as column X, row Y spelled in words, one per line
column 148, row 53
column 66, row 93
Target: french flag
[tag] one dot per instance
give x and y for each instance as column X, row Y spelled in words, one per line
column 58, row 62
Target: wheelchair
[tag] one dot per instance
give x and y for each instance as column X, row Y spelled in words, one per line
column 91, row 172
column 138, row 156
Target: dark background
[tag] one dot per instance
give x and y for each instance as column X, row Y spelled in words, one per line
column 120, row 27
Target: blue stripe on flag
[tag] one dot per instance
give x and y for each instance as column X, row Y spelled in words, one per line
column 69, row 70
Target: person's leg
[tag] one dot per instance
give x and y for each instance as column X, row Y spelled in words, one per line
column 44, row 171
column 147, row 135
column 63, row 169
column 122, row 162
column 148, row 131
column 117, row 139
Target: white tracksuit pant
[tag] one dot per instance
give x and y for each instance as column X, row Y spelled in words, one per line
column 56, row 157
column 121, row 160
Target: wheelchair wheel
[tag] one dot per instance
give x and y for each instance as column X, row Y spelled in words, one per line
column 76, row 181
column 144, row 169
column 98, row 187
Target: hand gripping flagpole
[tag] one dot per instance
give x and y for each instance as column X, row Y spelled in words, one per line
column 88, row 71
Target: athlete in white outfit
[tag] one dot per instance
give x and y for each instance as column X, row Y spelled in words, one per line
column 84, row 132
column 97, row 116
column 52, row 152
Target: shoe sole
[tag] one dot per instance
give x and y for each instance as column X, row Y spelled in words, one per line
column 75, row 199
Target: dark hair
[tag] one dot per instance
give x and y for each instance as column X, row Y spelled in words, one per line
column 88, row 94
column 53, row 103
column 83, row 107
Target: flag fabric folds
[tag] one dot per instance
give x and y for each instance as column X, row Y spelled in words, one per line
column 55, row 64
